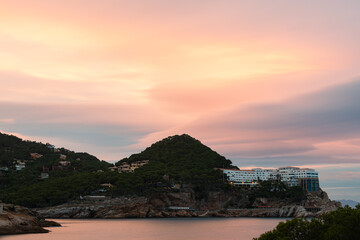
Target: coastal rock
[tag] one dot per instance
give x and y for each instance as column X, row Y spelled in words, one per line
column 16, row 219
column 214, row 204
column 321, row 200
column 47, row 223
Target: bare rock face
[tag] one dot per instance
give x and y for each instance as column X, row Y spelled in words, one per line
column 136, row 210
column 213, row 204
column 164, row 200
column 123, row 207
column 321, row 200
column 15, row 219
column 294, row 211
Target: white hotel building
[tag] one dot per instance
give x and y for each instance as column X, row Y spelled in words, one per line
column 293, row 176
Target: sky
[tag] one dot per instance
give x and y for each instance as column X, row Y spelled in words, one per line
column 264, row 83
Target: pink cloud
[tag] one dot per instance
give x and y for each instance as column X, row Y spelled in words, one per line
column 203, row 68
column 7, row 120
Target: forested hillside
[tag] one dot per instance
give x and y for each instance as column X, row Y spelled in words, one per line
column 38, row 175
column 182, row 158
column 14, row 150
column 177, row 159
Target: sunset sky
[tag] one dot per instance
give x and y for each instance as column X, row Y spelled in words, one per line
column 264, row 83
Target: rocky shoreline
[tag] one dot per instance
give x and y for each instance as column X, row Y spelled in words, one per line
column 19, row 220
column 216, row 205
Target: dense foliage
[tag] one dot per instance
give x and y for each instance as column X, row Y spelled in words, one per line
column 182, row 159
column 13, row 148
column 25, row 187
column 277, row 189
column 342, row 224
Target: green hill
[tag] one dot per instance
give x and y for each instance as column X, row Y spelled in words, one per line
column 14, row 150
column 173, row 160
column 171, row 164
column 23, row 162
column 182, row 158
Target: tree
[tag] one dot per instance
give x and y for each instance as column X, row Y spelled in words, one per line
column 342, row 224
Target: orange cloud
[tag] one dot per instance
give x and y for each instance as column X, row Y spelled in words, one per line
column 177, row 66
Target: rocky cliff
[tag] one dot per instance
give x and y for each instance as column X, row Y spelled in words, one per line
column 213, row 204
column 16, row 219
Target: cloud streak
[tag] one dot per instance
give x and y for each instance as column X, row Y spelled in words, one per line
column 257, row 82
column 323, row 125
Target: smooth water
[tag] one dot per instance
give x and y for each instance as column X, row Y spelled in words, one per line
column 156, row 229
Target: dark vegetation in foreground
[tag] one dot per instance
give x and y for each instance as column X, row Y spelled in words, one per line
column 342, row 224
column 178, row 159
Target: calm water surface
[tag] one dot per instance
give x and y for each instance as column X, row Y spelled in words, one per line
column 156, row 229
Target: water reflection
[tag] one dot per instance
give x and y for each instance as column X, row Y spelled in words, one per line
column 156, row 229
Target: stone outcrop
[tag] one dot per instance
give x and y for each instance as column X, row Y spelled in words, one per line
column 16, row 219
column 213, row 204
column 320, row 200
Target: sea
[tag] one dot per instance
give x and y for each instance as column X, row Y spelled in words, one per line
column 155, row 229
